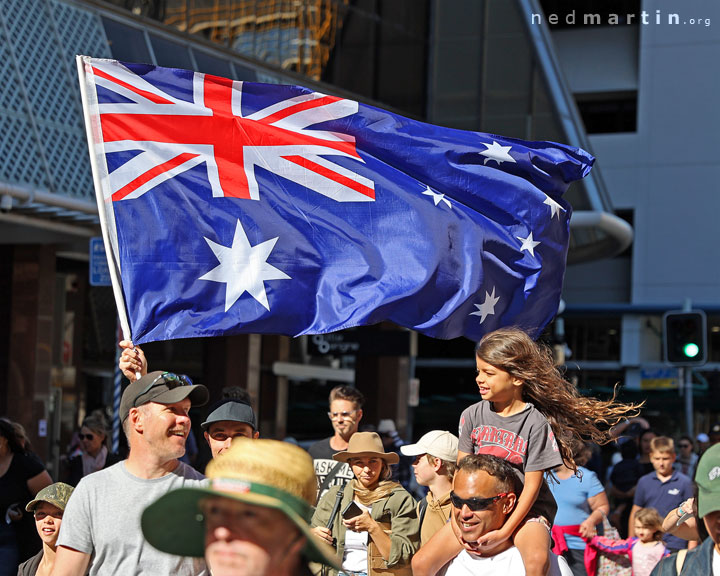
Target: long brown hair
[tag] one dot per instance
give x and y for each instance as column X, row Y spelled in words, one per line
column 570, row 414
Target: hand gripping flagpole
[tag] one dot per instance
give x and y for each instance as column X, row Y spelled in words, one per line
column 99, row 173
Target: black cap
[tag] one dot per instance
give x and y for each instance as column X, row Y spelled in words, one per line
column 163, row 388
column 231, row 410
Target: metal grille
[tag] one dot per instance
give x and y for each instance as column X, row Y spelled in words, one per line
column 42, row 99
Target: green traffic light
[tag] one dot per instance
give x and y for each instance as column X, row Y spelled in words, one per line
column 691, row 350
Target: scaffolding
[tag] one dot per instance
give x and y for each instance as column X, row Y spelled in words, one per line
column 296, row 35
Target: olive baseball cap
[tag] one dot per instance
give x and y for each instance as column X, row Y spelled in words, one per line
column 163, row 388
column 707, row 478
column 233, row 411
column 56, row 494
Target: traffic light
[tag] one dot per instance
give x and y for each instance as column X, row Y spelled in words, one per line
column 685, row 338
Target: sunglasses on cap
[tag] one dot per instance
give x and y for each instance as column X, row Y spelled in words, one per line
column 169, row 379
column 474, row 504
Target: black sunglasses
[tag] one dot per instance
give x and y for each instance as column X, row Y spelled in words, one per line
column 170, row 379
column 86, row 436
column 474, row 504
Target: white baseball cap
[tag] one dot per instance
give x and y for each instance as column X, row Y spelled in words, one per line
column 438, row 443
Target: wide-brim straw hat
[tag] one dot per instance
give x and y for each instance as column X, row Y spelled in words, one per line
column 266, row 473
column 366, row 445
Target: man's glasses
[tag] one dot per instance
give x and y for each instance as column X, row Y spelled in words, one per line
column 337, row 415
column 474, row 504
column 684, row 445
column 86, row 436
column 170, row 379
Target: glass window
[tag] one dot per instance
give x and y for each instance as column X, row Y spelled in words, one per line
column 126, row 43
column 245, row 73
column 593, row 338
column 212, row 65
column 170, row 54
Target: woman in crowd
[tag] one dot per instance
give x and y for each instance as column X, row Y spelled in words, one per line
column 47, row 508
column 383, row 535
column 21, row 477
column 581, row 502
column 94, row 445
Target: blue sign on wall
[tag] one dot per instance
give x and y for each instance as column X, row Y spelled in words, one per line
column 99, row 271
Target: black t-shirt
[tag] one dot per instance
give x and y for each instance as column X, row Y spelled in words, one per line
column 14, row 490
column 322, row 454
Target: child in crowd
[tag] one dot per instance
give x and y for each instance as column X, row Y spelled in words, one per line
column 529, row 414
column 645, row 549
column 434, row 455
column 47, row 507
column 663, row 489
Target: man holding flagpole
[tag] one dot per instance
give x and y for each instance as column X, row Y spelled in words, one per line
column 100, row 534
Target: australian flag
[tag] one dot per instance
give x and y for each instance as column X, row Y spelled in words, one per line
column 233, row 207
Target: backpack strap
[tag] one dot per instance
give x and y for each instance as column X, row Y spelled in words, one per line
column 421, row 508
column 329, row 477
column 680, row 560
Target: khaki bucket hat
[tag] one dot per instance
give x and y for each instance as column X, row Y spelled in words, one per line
column 366, row 445
column 266, row 473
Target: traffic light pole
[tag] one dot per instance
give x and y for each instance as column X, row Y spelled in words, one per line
column 686, row 384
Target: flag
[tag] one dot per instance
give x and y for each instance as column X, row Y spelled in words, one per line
column 235, row 207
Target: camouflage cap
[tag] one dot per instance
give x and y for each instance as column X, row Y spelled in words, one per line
column 56, row 494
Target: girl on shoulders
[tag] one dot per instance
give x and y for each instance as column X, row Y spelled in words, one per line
column 528, row 415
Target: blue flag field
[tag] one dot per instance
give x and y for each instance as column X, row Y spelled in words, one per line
column 233, row 207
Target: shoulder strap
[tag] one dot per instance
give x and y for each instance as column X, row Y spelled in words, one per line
column 680, row 560
column 421, row 508
column 329, row 477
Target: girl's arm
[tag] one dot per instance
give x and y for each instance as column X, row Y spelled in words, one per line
column 612, row 546
column 533, row 482
column 599, row 507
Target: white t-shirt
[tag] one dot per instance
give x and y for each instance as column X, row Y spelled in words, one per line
column 356, row 545
column 507, row 563
column 716, row 562
column 102, row 518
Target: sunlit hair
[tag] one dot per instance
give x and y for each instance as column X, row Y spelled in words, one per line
column 512, row 350
column 506, row 479
column 662, row 444
column 349, row 393
column 650, row 519
column 448, row 467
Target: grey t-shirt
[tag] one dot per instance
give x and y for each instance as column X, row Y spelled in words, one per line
column 525, row 440
column 102, row 518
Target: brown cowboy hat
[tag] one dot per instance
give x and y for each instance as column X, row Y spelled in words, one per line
column 366, row 445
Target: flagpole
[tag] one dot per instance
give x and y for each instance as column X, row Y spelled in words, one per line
column 110, row 252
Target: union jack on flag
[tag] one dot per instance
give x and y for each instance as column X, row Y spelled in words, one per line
column 234, row 207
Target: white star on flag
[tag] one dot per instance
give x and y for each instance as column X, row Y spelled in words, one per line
column 498, row 153
column 528, row 244
column 437, row 197
column 554, row 207
column 487, row 308
column 243, row 268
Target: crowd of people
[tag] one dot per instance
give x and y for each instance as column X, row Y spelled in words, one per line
column 519, row 489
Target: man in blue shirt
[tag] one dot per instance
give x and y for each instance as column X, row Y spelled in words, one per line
column 664, row 489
